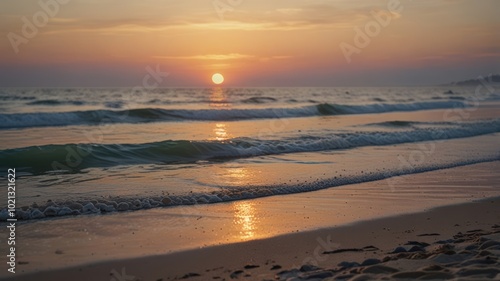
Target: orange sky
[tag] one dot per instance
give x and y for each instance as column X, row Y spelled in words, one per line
column 252, row 42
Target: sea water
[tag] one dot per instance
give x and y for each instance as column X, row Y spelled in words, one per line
column 95, row 151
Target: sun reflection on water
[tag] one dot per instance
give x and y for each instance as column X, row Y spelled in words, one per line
column 245, row 219
column 218, row 99
column 220, row 132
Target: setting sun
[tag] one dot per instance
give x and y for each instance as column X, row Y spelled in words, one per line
column 217, row 78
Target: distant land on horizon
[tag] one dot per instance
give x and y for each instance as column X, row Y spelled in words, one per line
column 494, row 78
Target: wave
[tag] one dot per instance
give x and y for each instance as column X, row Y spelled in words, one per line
column 75, row 157
column 14, row 97
column 259, row 100
column 55, row 102
column 144, row 115
column 402, row 124
column 397, row 123
column 120, row 204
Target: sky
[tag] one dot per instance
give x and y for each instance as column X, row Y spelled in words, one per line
column 253, row 43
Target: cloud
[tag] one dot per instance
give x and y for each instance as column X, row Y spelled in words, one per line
column 223, row 57
column 285, row 19
column 289, row 11
column 62, row 20
column 232, row 56
column 292, row 18
column 265, row 59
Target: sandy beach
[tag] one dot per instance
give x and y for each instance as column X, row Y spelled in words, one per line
column 354, row 228
column 256, row 140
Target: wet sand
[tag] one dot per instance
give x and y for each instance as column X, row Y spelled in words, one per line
column 219, row 240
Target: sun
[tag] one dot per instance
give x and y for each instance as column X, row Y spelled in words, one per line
column 217, row 78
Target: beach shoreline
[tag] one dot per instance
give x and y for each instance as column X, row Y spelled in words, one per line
column 249, row 140
column 307, row 246
column 263, row 259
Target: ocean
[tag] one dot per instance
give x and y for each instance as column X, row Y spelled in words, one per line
column 95, row 151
